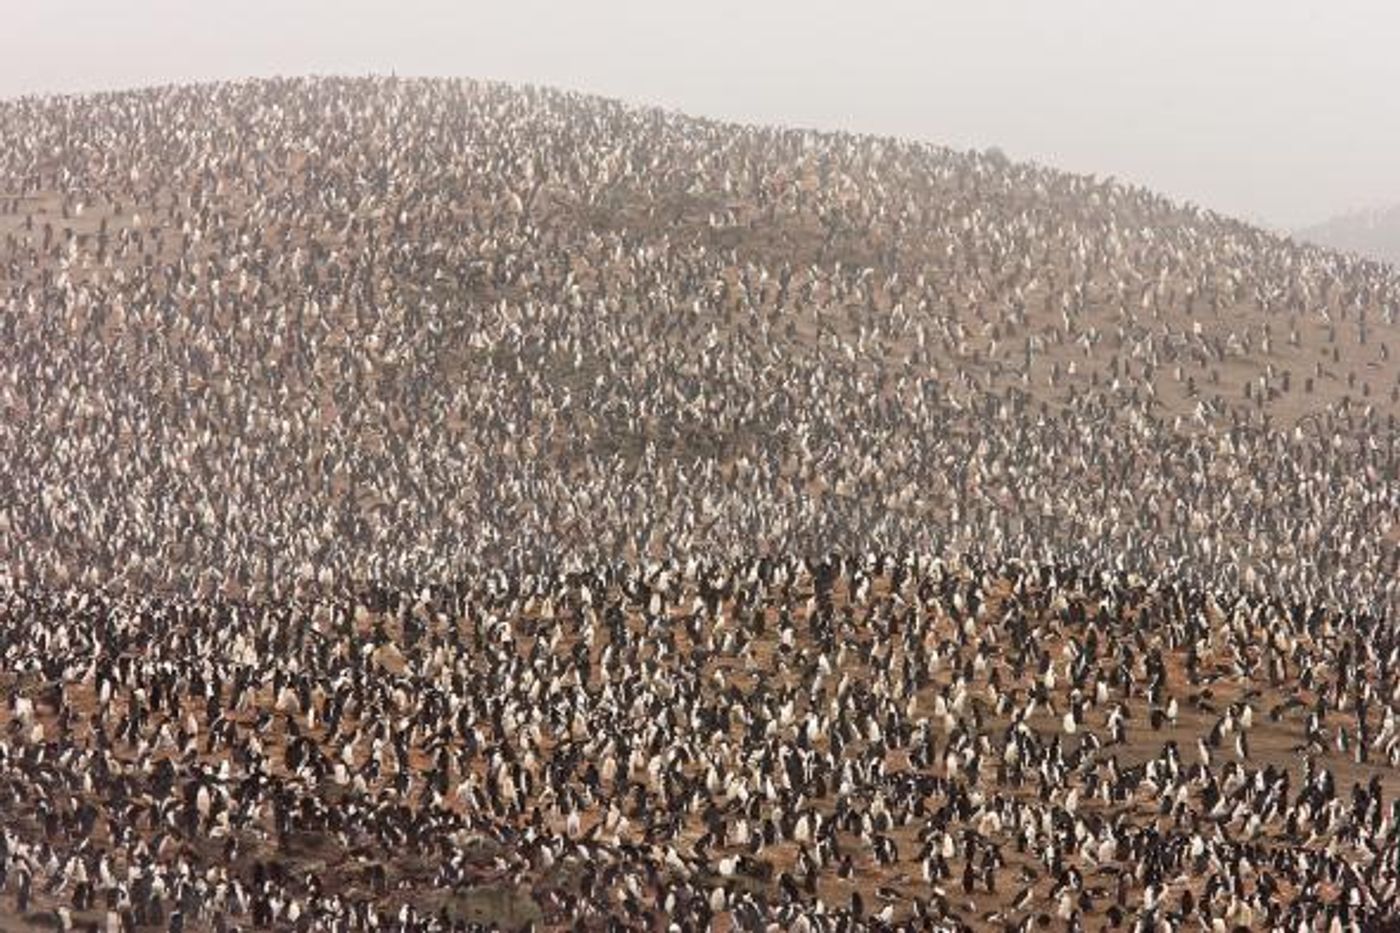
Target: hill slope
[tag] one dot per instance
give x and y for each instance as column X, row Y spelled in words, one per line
column 353, row 330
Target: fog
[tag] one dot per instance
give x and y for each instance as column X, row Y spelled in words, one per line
column 1280, row 112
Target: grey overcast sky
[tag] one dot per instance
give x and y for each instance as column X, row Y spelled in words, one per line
column 1280, row 111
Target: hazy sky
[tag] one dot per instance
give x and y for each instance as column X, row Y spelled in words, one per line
column 1280, row 111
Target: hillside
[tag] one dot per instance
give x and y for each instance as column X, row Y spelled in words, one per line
column 436, row 503
column 1374, row 234
column 387, row 331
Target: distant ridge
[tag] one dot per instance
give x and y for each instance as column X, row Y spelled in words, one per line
column 1373, row 233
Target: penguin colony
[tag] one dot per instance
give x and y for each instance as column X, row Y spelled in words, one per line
column 434, row 504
